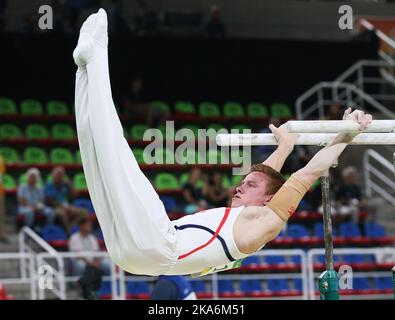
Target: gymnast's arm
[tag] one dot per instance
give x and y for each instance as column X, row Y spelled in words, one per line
column 286, row 142
column 263, row 224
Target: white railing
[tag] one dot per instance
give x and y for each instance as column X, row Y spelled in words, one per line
column 214, row 278
column 68, row 276
column 382, row 36
column 360, row 75
column 323, row 94
column 119, row 280
column 31, row 242
column 381, row 255
column 372, row 175
column 27, row 278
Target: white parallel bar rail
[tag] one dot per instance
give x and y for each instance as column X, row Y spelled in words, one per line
column 388, row 252
column 334, row 126
column 371, row 171
column 27, row 234
column 61, row 272
column 27, row 278
column 311, row 139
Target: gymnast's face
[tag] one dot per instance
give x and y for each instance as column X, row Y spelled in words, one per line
column 252, row 191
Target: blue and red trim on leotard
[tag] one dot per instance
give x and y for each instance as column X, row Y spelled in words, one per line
column 215, row 236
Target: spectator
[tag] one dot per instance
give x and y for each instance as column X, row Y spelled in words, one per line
column 349, row 196
column 217, row 195
column 215, row 28
column 31, row 200
column 193, row 193
column 85, row 241
column 58, row 194
column 2, row 205
column 172, row 288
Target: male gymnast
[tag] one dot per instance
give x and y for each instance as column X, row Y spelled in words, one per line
column 138, row 234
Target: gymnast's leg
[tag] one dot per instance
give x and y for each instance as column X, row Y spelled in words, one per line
column 137, row 231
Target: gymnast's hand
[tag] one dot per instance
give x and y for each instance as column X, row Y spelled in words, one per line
column 284, row 138
column 358, row 116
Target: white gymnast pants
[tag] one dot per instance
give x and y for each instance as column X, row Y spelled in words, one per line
column 137, row 232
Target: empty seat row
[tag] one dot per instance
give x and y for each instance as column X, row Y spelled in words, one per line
column 189, row 131
column 234, row 109
column 35, row 155
column 346, row 229
column 31, row 107
column 137, row 132
column 37, row 131
column 11, row 183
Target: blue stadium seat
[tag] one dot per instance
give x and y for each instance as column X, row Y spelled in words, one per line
column 250, row 286
column 319, row 230
column 384, row 283
column 349, row 229
column 297, row 231
column 168, row 202
column 53, row 233
column 278, row 285
column 371, row 258
column 198, row 286
column 225, row 287
column 251, row 260
column 374, row 230
column 275, row 260
column 354, row 258
column 137, row 289
column 361, row 283
column 298, row 285
column 282, row 234
column 84, row 203
column 320, row 258
column 296, row 259
column 105, row 290
column 74, row 229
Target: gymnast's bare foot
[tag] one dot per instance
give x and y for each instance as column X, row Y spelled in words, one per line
column 93, row 35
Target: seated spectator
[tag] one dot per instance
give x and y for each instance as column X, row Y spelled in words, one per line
column 58, row 195
column 31, row 200
column 85, row 241
column 217, row 195
column 347, row 201
column 193, row 194
column 349, row 195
